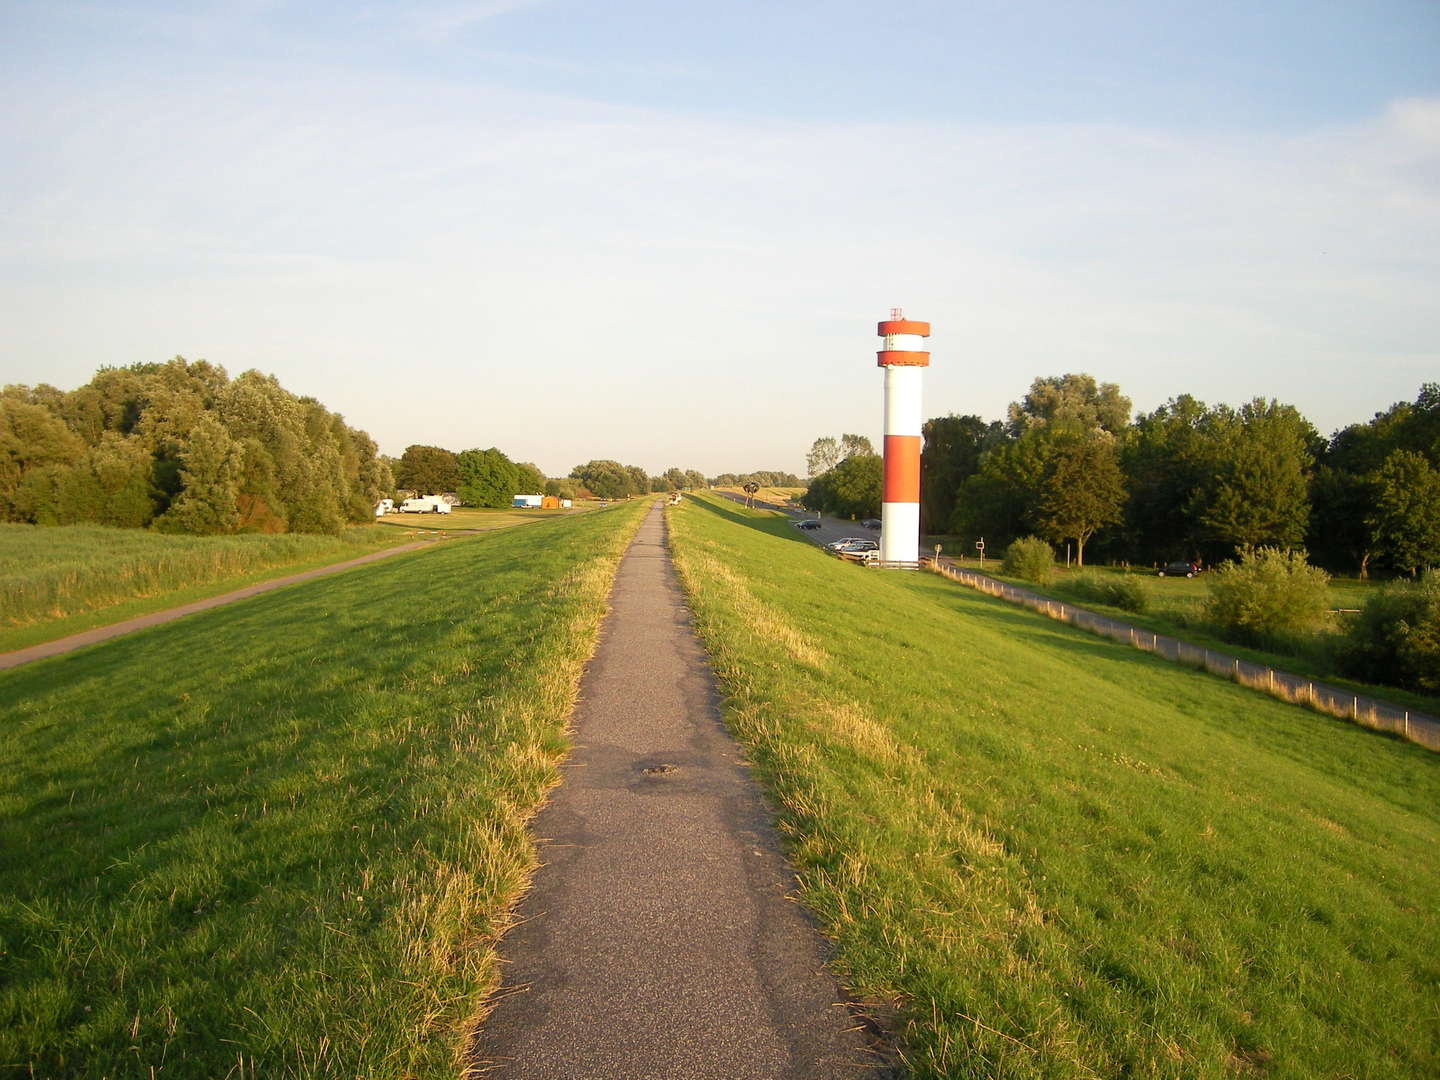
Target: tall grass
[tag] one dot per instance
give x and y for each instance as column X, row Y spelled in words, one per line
column 51, row 572
column 1062, row 857
column 278, row 839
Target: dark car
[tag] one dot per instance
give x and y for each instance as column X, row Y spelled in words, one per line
column 870, row 523
column 1178, row 569
column 807, row 524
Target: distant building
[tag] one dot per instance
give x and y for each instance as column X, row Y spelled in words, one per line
column 528, row 502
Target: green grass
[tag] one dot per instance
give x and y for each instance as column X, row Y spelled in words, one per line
column 779, row 495
column 1062, row 857
column 1176, row 606
column 277, row 839
column 49, row 573
column 476, row 518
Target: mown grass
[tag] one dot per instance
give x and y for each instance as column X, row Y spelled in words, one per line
column 471, row 518
column 1062, row 857
column 50, row 573
column 277, row 839
column 1176, row 606
column 780, row 495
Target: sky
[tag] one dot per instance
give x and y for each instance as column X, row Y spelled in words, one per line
column 664, row 232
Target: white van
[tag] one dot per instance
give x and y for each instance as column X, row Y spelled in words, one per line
column 429, row 504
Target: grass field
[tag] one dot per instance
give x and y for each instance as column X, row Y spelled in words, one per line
column 466, row 518
column 1176, row 606
column 779, row 495
column 275, row 839
column 1061, row 857
column 50, row 573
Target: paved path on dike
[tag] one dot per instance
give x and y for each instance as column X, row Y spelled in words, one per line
column 658, row 939
column 155, row 618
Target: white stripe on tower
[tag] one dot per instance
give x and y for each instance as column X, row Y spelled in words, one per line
column 903, row 357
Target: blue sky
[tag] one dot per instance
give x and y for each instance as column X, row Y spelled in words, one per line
column 663, row 232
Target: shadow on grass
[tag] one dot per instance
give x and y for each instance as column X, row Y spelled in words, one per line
column 773, row 526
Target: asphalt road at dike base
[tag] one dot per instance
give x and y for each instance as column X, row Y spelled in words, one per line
column 659, row 940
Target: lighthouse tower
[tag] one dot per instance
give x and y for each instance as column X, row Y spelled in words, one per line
column 904, row 357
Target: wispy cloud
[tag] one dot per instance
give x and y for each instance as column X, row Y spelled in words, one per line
column 422, row 232
column 435, row 23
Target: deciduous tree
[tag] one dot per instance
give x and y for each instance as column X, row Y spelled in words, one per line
column 428, row 470
column 487, row 478
column 1082, row 489
column 1074, row 398
column 210, row 463
column 1405, row 520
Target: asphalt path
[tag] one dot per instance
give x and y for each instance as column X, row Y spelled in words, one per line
column 659, row 938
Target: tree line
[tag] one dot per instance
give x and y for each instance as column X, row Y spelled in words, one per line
column 180, row 446
column 1186, row 480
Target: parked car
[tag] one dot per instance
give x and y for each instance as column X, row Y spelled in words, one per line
column 835, row 545
column 1178, row 569
column 807, row 524
column 850, row 547
column 870, row 523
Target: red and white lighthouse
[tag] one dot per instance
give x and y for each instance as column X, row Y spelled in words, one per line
column 904, row 357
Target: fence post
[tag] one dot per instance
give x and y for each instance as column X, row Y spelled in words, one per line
column 1271, row 672
column 1355, row 708
column 1407, row 725
column 1235, row 669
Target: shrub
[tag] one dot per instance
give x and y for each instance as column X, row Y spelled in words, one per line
column 1267, row 593
column 1396, row 637
column 1116, row 590
column 1030, row 559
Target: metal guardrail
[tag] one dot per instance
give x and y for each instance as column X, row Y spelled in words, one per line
column 1418, row 727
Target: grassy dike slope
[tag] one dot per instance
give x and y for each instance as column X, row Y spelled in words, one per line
column 1064, row 857
column 275, row 839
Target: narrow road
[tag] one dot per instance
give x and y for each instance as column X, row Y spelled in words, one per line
column 155, row 618
column 658, row 939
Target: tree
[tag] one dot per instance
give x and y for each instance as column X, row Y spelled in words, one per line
column 529, row 479
column 1000, row 501
column 824, row 455
column 1340, row 533
column 639, row 480
column 111, row 484
column 605, row 479
column 487, row 478
column 1256, row 492
column 850, row 489
column 951, row 455
column 1405, row 521
column 675, row 479
column 31, row 437
column 1083, row 489
column 210, row 463
column 562, row 488
column 1074, row 398
column 694, row 479
column 428, row 470
column 1165, row 458
column 854, row 446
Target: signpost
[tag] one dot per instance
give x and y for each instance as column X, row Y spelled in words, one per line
column 980, row 547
